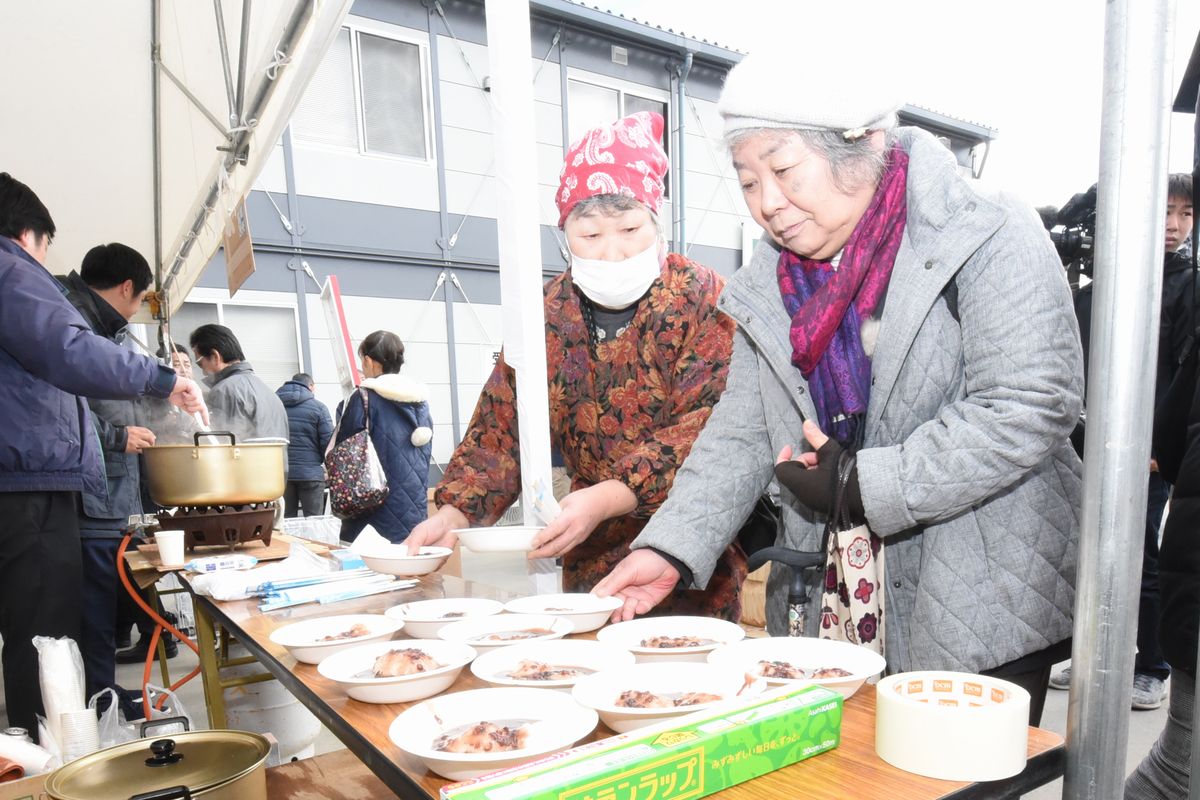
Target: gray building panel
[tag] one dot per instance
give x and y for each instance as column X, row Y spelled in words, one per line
column 719, row 259
column 409, row 15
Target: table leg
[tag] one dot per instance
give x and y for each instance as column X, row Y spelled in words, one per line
column 152, row 593
column 210, row 672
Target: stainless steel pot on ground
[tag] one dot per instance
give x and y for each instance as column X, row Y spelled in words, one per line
column 213, row 765
column 213, row 474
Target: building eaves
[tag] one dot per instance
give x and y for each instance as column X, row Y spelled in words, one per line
column 944, row 123
column 600, row 21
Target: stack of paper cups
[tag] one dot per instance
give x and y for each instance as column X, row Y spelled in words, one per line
column 80, row 734
column 170, row 548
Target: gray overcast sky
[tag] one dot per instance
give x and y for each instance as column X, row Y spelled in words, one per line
column 1030, row 68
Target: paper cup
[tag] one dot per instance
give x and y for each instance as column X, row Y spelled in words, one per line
column 80, row 733
column 170, row 547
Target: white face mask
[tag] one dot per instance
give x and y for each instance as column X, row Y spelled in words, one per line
column 617, row 284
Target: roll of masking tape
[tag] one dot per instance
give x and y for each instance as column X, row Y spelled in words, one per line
column 954, row 726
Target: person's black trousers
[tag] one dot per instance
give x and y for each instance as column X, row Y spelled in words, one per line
column 40, row 577
column 1149, row 659
column 306, row 495
column 101, row 592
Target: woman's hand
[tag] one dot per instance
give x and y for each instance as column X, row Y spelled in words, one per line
column 641, row 581
column 582, row 511
column 435, row 531
column 812, row 476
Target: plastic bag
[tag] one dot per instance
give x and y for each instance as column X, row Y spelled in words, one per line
column 114, row 729
column 33, row 759
column 172, row 708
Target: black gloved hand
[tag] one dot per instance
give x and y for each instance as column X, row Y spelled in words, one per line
column 815, row 487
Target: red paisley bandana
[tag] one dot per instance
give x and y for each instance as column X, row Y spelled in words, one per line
column 625, row 157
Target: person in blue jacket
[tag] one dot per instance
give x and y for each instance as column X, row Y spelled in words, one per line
column 49, row 451
column 401, row 430
column 309, row 432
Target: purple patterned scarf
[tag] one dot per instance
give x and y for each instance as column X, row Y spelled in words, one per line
column 828, row 305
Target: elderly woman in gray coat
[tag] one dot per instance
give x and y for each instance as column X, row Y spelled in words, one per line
column 915, row 317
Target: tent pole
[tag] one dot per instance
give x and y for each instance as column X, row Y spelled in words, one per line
column 296, row 262
column 226, row 72
column 240, row 104
column 237, row 144
column 520, row 249
column 1129, row 253
column 156, row 139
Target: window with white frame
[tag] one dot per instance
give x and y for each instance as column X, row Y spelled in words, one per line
column 368, row 94
column 591, row 104
column 268, row 334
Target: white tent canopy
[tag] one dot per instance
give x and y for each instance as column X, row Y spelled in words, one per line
column 120, row 149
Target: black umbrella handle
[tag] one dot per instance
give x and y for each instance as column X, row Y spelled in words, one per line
column 798, row 562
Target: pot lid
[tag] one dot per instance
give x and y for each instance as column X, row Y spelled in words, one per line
column 199, row 760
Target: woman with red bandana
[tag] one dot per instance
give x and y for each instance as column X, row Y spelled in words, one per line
column 636, row 354
column 896, row 310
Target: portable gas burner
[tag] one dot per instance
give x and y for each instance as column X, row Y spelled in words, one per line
column 226, row 526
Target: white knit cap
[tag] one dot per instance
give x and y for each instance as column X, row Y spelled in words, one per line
column 836, row 91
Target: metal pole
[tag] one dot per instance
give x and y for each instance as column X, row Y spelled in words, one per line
column 223, row 41
column 443, row 241
column 563, row 90
column 296, row 262
column 452, row 353
column 156, row 141
column 1129, row 253
column 680, row 201
column 243, row 54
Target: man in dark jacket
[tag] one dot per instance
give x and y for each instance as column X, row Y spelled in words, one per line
column 1166, row 770
column 310, row 430
column 49, row 452
column 238, row 399
column 1176, row 326
column 107, row 291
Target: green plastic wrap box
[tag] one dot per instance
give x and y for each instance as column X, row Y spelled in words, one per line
column 691, row 757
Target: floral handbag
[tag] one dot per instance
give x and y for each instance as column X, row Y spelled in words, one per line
column 357, row 483
column 852, row 599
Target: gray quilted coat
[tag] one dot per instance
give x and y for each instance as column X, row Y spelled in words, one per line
column 966, row 470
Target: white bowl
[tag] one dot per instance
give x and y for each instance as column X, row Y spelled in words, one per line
column 558, row 722
column 424, row 618
column 500, row 539
column 631, row 634
column 804, row 653
column 347, row 668
column 473, row 631
column 394, row 560
column 586, row 612
column 671, row 679
column 303, row 639
column 496, row 666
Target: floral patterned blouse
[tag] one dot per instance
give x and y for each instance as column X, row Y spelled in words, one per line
column 630, row 414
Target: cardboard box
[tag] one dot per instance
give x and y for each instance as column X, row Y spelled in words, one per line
column 704, row 753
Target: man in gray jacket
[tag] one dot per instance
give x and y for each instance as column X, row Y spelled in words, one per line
column 238, row 399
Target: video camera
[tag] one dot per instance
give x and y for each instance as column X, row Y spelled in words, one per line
column 1073, row 231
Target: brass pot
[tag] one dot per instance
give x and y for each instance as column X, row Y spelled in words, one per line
column 214, row 765
column 215, row 474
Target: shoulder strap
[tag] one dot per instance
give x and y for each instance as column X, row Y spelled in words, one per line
column 950, row 295
column 366, row 409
